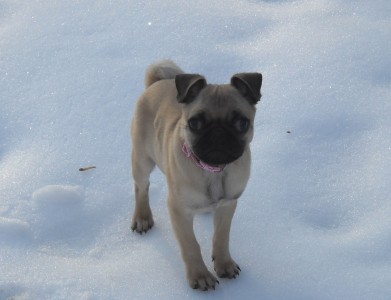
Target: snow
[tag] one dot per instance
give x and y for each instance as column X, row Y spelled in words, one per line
column 314, row 222
column 58, row 195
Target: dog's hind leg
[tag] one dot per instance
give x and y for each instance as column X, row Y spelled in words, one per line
column 142, row 167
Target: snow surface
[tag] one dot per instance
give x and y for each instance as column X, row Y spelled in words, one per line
column 315, row 220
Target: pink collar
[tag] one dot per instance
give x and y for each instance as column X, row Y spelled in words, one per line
column 213, row 169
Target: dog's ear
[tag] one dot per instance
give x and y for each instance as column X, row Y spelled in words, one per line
column 249, row 85
column 189, row 86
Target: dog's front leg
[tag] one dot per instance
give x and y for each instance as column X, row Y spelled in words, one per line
column 197, row 273
column 224, row 265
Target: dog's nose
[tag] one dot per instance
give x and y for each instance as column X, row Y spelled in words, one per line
column 217, row 135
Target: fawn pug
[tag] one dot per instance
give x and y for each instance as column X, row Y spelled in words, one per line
column 198, row 134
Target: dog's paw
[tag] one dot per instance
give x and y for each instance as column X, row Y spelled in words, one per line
column 226, row 269
column 203, row 281
column 142, row 224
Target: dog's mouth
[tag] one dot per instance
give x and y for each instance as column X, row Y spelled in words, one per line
column 220, row 154
column 218, row 157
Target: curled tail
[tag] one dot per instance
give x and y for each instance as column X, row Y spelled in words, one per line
column 165, row 69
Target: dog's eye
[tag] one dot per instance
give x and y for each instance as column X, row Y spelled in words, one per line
column 195, row 123
column 241, row 124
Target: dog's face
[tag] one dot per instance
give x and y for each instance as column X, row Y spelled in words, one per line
column 218, row 118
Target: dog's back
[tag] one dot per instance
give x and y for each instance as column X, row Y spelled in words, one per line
column 156, row 108
column 165, row 69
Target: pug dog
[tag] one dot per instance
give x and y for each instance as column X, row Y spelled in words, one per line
column 198, row 134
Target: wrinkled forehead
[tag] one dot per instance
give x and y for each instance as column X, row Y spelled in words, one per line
column 218, row 101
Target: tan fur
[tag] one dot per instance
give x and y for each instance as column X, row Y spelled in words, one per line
column 165, row 69
column 158, row 133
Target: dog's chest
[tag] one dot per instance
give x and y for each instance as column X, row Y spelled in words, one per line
column 215, row 190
